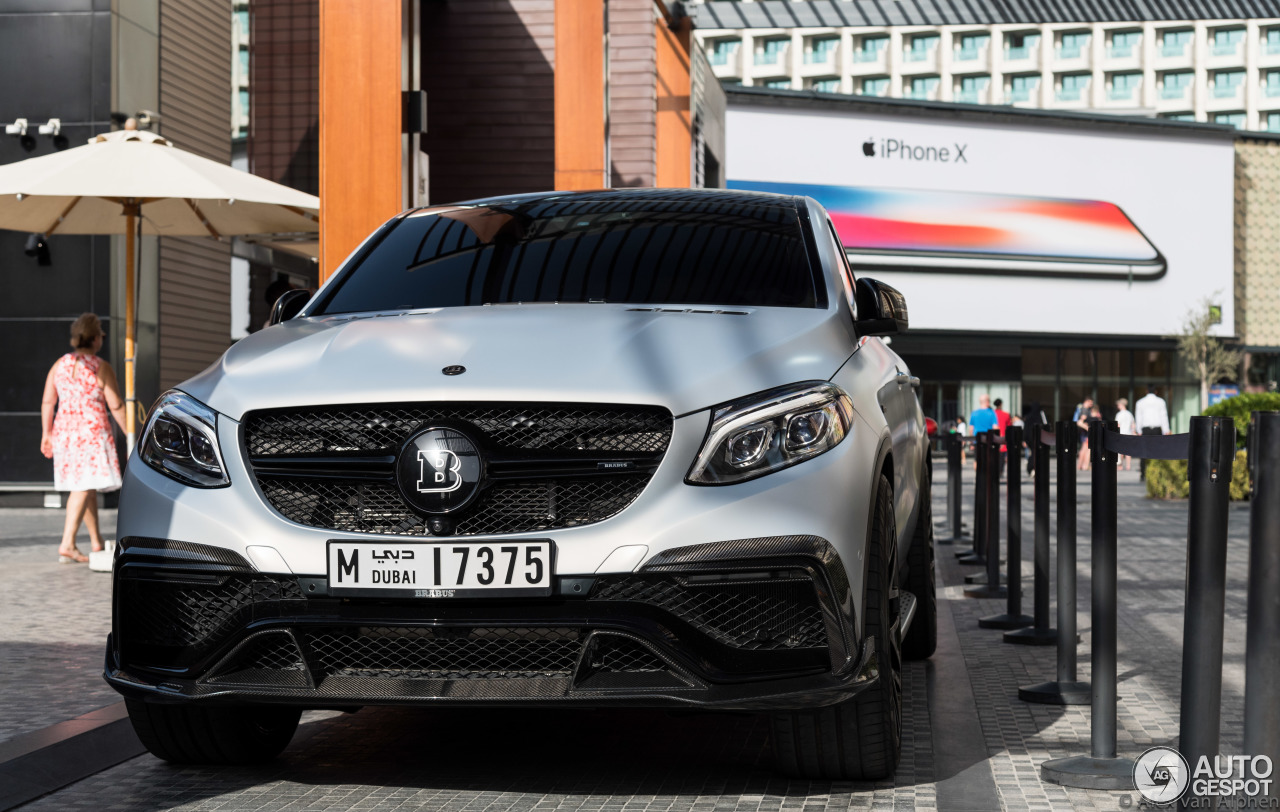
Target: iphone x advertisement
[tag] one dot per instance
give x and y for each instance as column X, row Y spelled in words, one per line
column 931, row 230
column 1006, row 220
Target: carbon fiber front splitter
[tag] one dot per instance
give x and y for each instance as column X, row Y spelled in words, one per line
column 677, row 688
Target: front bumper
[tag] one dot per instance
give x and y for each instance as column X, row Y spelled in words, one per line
column 747, row 624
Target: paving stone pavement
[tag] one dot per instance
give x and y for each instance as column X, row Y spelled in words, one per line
column 54, row 620
column 628, row 761
column 1151, row 572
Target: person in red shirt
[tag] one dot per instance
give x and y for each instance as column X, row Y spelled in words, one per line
column 1002, row 417
column 1002, row 423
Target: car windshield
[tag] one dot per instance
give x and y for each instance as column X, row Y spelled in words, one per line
column 694, row 252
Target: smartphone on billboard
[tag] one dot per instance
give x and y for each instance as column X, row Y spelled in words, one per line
column 981, row 233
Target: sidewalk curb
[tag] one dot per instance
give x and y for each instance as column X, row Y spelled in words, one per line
column 46, row 760
column 962, row 768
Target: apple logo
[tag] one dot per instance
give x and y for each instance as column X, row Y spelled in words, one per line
column 869, row 148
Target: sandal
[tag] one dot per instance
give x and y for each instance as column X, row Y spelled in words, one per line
column 73, row 557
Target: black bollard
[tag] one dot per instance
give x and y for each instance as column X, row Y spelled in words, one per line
column 1066, row 690
column 988, row 585
column 1101, row 769
column 1012, row 617
column 954, row 444
column 1041, row 634
column 1262, row 643
column 1212, row 451
column 975, row 556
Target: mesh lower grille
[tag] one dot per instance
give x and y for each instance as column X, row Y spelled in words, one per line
column 271, row 659
column 379, row 427
column 506, row 507
column 184, row 615
column 453, row 654
column 754, row 614
column 615, row 654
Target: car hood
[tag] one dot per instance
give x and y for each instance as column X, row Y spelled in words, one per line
column 683, row 359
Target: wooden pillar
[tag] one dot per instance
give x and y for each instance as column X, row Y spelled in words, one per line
column 675, row 106
column 579, row 91
column 360, row 123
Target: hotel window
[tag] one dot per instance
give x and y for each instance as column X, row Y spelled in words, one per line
column 1272, row 122
column 1023, row 88
column 1176, row 85
column 1073, row 45
column 923, row 87
column 1175, row 43
column 828, row 85
column 723, row 50
column 871, row 49
column 1179, row 116
column 778, row 84
column 1018, row 46
column 877, row 86
column 770, row 52
column 921, row 47
column 1226, row 41
column 1124, row 86
column 1073, row 86
column 969, row 46
column 969, row 89
column 1124, row 44
column 821, row 49
column 1271, row 41
column 1271, row 83
column 1226, row 83
column 1234, row 119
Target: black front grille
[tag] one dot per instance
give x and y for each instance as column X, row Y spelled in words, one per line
column 567, row 490
column 270, row 658
column 384, row 428
column 445, row 653
column 506, row 507
column 195, row 615
column 772, row 613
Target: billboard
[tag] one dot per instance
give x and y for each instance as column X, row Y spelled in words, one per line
column 1021, row 224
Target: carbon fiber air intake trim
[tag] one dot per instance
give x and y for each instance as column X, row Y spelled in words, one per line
column 814, row 552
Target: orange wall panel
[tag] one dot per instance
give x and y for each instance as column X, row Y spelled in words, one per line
column 360, row 123
column 675, row 117
column 579, row 90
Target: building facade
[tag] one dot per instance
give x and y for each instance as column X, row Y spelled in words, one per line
column 1197, row 62
column 90, row 64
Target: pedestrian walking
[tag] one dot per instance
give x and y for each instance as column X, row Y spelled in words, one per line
column 1081, row 418
column 1151, row 416
column 1125, row 422
column 82, row 389
column 1033, row 417
column 982, row 419
column 1003, row 419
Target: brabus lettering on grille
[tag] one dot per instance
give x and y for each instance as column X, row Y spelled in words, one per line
column 438, row 471
column 348, row 568
column 433, row 593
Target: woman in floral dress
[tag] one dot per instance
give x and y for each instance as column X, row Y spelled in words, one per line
column 83, row 389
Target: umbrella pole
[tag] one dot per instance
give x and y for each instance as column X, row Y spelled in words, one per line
column 130, row 396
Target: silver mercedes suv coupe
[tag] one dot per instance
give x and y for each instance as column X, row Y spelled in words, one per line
column 638, row 448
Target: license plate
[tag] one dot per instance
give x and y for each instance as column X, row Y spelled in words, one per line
column 448, row 570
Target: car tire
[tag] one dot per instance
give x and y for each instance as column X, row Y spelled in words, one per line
column 922, row 636
column 183, row 734
column 859, row 739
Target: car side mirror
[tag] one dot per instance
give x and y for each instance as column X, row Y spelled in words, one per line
column 289, row 305
column 882, row 310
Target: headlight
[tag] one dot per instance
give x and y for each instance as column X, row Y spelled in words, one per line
column 181, row 441
column 770, row 431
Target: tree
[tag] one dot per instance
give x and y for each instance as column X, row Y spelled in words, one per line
column 1205, row 355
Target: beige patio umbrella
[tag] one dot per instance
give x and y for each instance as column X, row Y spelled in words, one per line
column 129, row 182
